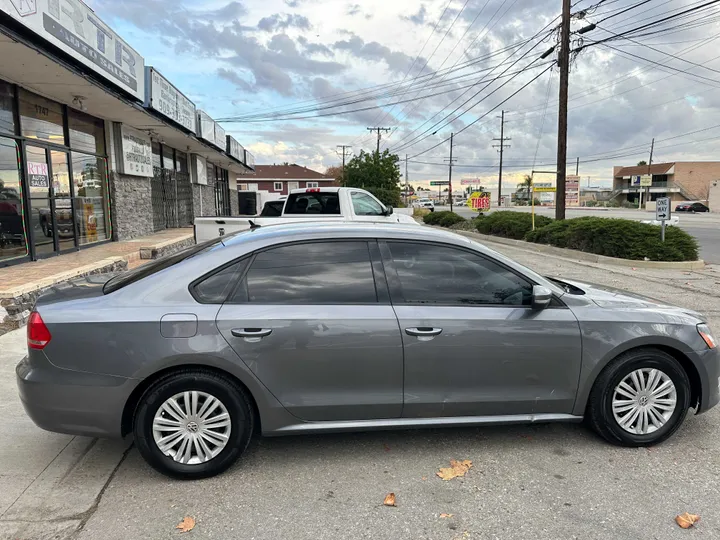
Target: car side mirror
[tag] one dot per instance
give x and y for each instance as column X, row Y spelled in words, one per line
column 541, row 298
column 388, row 210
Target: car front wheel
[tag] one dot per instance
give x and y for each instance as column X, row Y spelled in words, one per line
column 640, row 399
column 193, row 424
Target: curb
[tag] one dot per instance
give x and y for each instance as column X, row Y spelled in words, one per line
column 581, row 255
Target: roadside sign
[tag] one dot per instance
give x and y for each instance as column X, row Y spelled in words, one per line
column 662, row 209
column 470, row 181
column 662, row 214
column 544, row 189
column 479, row 201
column 646, row 180
column 439, row 183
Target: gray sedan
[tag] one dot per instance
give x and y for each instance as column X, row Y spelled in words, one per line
column 311, row 328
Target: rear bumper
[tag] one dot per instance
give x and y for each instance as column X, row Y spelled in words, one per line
column 708, row 364
column 72, row 402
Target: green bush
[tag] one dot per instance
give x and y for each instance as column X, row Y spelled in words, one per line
column 433, row 218
column 510, row 224
column 590, row 204
column 620, row 238
column 628, row 204
column 450, row 219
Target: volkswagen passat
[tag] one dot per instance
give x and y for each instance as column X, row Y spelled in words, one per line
column 310, row 328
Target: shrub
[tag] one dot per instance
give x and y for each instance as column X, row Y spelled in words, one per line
column 433, row 218
column 620, row 238
column 612, row 204
column 590, row 204
column 420, row 212
column 628, row 204
column 510, row 224
column 466, row 225
column 450, row 219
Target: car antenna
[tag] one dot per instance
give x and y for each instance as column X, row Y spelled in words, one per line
column 253, row 225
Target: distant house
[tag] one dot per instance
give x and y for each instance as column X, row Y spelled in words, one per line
column 679, row 180
column 280, row 179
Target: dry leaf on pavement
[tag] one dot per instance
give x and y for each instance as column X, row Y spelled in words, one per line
column 457, row 468
column 687, row 520
column 389, row 500
column 446, row 516
column 186, row 525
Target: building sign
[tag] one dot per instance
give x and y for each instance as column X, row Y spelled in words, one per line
column 572, row 190
column 646, row 180
column 168, row 100
column 249, row 160
column 470, row 182
column 38, row 176
column 220, row 137
column 479, row 201
column 210, row 131
column 199, row 170
column 135, row 150
column 543, row 189
column 74, row 28
column 235, row 149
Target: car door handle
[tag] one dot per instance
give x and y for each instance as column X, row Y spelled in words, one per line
column 423, row 331
column 251, row 332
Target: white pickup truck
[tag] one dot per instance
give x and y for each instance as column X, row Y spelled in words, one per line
column 325, row 204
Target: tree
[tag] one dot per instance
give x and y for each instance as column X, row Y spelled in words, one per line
column 641, row 163
column 380, row 175
column 420, row 188
column 335, row 172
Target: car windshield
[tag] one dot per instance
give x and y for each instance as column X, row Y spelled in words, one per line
column 150, row 268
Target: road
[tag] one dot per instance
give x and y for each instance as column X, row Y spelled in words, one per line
column 545, row 482
column 704, row 227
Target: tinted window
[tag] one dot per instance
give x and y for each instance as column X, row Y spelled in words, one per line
column 442, row 275
column 321, row 273
column 86, row 133
column 364, row 205
column 215, row 288
column 272, row 209
column 313, row 203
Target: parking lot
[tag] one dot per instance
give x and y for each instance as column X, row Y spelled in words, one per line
column 537, row 481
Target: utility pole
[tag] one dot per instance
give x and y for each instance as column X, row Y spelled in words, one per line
column 564, row 65
column 577, row 167
column 407, row 181
column 344, row 149
column 647, row 189
column 502, row 146
column 450, row 166
column 379, row 135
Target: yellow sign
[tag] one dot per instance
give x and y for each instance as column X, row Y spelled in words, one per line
column 479, row 201
column 544, row 189
column 90, row 222
column 646, row 180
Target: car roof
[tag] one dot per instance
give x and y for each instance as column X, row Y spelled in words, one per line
column 272, row 234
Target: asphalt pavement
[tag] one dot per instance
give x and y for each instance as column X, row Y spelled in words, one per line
column 704, row 227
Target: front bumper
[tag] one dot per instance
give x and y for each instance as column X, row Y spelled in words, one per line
column 708, row 364
column 72, row 402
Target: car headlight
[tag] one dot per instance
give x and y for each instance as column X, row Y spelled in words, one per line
column 706, row 334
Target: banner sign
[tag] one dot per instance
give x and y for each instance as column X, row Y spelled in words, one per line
column 163, row 97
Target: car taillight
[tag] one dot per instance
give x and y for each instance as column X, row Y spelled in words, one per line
column 312, row 190
column 38, row 335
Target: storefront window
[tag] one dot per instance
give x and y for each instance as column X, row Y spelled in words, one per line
column 168, row 162
column 222, row 192
column 90, row 183
column 156, row 154
column 86, row 132
column 181, row 164
column 7, row 119
column 12, row 228
column 41, row 118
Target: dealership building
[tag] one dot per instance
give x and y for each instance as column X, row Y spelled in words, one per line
column 95, row 146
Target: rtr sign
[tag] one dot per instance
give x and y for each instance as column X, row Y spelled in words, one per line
column 75, row 29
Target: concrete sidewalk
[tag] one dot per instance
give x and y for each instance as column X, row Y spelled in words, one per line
column 49, row 483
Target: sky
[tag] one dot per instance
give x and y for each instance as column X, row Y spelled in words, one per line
column 268, row 68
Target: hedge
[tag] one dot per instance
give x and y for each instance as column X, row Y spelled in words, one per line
column 620, row 238
column 509, row 224
column 436, row 218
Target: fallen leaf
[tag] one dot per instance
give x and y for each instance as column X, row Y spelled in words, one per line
column 389, row 500
column 424, row 478
column 456, row 469
column 446, row 516
column 186, row 525
column 686, row 520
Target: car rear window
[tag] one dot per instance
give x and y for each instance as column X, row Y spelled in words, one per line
column 150, row 268
column 313, row 203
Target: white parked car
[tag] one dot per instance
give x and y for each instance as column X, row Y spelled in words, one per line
column 424, row 203
column 326, row 204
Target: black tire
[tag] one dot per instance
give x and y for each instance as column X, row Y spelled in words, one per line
column 599, row 410
column 234, row 398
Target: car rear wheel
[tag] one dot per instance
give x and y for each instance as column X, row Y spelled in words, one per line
column 641, row 398
column 193, row 424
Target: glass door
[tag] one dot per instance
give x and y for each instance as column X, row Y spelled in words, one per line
column 51, row 213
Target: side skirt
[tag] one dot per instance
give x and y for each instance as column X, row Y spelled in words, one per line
column 416, row 423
